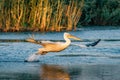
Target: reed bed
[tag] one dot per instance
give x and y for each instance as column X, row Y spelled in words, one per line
column 39, row 15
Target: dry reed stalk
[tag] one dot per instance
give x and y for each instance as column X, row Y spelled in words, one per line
column 39, row 15
column 73, row 13
column 58, row 16
column 16, row 12
column 43, row 22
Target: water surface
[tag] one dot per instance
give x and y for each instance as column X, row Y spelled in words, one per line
column 74, row 63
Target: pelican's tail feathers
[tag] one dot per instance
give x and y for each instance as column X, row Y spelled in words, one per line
column 94, row 43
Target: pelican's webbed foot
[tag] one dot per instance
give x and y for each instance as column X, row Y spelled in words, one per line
column 41, row 53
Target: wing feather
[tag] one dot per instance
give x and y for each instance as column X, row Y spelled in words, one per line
column 43, row 43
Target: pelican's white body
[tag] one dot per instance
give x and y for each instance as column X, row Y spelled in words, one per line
column 49, row 46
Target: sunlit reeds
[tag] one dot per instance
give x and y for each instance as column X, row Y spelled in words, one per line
column 39, row 15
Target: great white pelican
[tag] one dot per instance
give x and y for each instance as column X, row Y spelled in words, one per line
column 49, row 46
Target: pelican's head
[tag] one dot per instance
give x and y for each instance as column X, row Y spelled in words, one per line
column 71, row 36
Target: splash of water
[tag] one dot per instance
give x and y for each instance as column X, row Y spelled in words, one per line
column 32, row 57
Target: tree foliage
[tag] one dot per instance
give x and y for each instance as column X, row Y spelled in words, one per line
column 101, row 12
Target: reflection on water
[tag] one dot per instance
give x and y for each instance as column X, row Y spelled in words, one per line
column 53, row 72
column 80, row 72
column 73, row 72
column 38, row 71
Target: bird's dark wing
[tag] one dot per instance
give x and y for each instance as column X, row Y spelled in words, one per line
column 94, row 43
column 87, row 45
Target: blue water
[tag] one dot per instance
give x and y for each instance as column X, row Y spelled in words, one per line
column 97, row 63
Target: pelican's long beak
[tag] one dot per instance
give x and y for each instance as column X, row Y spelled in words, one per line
column 74, row 37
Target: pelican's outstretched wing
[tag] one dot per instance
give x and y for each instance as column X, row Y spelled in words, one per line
column 49, row 43
column 94, row 43
column 32, row 40
column 43, row 43
column 88, row 45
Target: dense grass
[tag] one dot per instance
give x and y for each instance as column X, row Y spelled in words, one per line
column 57, row 15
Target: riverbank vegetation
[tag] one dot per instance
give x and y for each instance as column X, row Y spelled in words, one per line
column 40, row 15
column 56, row 15
column 101, row 13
